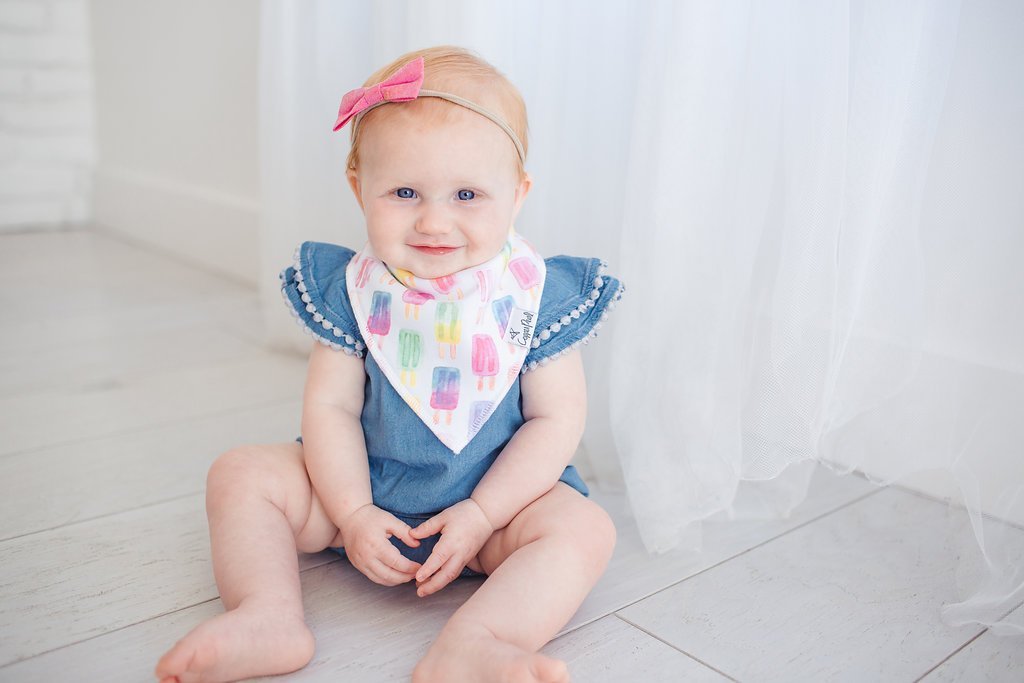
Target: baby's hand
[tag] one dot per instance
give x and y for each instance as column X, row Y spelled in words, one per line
column 464, row 529
column 365, row 533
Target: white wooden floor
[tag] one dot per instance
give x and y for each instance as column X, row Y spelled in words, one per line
column 123, row 374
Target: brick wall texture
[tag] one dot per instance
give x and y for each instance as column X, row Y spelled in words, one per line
column 47, row 113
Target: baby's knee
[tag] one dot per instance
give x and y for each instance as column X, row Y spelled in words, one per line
column 228, row 465
column 588, row 526
column 597, row 529
column 242, row 469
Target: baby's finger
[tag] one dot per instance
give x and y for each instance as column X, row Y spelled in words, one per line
column 399, row 562
column 441, row 578
column 387, row 576
column 429, row 527
column 403, row 531
column 434, row 562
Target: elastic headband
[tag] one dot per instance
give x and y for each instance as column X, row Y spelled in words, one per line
column 404, row 86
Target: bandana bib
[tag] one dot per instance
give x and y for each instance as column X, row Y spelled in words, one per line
column 451, row 346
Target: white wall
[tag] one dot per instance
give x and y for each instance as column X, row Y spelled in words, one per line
column 176, row 98
column 46, row 114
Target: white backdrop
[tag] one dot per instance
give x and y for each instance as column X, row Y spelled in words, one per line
column 816, row 207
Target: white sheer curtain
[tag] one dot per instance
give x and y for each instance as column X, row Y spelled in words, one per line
column 816, row 207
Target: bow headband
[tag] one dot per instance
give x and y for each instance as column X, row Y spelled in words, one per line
column 404, row 86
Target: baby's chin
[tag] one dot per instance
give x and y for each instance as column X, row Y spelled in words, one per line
column 443, row 268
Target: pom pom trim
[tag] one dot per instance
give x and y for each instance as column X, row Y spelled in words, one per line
column 351, row 346
column 545, row 335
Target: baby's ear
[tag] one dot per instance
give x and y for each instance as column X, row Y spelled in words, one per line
column 522, row 190
column 353, row 182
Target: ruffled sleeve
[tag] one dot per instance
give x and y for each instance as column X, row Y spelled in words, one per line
column 578, row 296
column 314, row 290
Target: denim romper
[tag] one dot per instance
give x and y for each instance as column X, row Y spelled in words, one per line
column 412, row 474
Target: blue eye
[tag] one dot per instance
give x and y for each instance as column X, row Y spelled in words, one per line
column 405, row 192
column 466, row 195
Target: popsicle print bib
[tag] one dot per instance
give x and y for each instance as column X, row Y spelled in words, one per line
column 450, row 346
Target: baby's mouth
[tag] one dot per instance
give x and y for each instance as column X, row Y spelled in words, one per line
column 435, row 251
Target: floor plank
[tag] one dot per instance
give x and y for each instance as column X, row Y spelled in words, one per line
column 131, row 402
column 365, row 632
column 609, row 649
column 65, row 289
column 60, row 586
column 854, row 596
column 134, row 650
column 104, row 361
column 87, row 479
column 633, row 574
column 54, row 274
column 990, row 658
column 148, row 321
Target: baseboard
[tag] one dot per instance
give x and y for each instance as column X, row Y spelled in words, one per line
column 211, row 229
column 942, row 486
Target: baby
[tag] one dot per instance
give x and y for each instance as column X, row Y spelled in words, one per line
column 444, row 400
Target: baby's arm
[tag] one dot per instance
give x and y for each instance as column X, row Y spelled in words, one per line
column 332, row 435
column 555, row 409
column 335, row 455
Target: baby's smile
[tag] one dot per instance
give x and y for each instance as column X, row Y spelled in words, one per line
column 435, row 250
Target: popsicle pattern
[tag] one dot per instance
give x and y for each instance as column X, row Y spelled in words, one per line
column 405, row 277
column 446, row 285
column 526, row 274
column 465, row 314
column 478, row 414
column 414, row 300
column 447, row 328
column 502, row 312
column 513, row 371
column 365, row 270
column 379, row 322
column 444, row 393
column 484, row 279
column 485, row 360
column 410, row 345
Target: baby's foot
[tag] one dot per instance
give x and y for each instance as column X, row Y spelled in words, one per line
column 472, row 654
column 250, row 640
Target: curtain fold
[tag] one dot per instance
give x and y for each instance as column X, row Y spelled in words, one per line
column 815, row 207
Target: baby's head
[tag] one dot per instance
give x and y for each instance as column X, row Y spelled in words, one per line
column 457, row 71
column 430, row 172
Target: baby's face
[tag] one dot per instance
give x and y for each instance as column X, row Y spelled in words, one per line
column 452, row 185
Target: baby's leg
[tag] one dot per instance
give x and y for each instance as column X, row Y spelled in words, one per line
column 260, row 507
column 541, row 567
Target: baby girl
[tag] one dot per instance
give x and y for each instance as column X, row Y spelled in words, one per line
column 444, row 400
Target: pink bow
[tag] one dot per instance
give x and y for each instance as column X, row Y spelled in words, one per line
column 403, row 86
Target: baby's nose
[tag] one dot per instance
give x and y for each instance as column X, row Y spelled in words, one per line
column 434, row 220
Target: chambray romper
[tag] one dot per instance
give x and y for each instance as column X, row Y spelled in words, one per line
column 412, row 474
